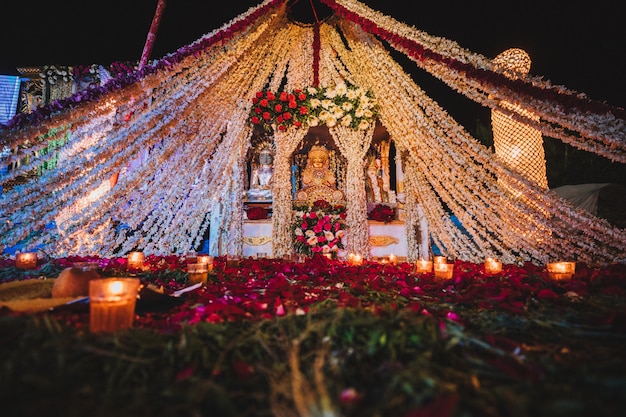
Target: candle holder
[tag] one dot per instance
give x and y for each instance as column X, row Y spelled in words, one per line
column 561, row 270
column 443, row 270
column 440, row 259
column 355, row 259
column 233, row 261
column 135, row 260
column 206, row 259
column 112, row 303
column 493, row 266
column 423, row 266
column 26, row 260
column 198, row 273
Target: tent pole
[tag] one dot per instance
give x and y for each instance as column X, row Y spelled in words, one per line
column 156, row 20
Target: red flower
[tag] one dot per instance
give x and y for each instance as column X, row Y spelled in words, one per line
column 257, row 213
column 278, row 108
column 382, row 213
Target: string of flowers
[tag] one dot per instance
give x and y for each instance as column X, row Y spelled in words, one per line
column 319, row 228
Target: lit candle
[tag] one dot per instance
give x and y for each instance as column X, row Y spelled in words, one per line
column 393, row 259
column 561, row 270
column 443, row 270
column 493, row 266
column 423, row 266
column 206, row 259
column 355, row 259
column 135, row 260
column 440, row 259
column 198, row 273
column 26, row 260
column 112, row 303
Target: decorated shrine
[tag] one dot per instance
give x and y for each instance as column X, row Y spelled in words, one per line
column 214, row 142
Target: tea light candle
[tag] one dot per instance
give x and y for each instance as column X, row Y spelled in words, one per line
column 206, row 259
column 443, row 270
column 423, row 266
column 26, row 260
column 493, row 266
column 112, row 303
column 440, row 259
column 561, row 270
column 393, row 259
column 198, row 273
column 135, row 260
column 355, row 259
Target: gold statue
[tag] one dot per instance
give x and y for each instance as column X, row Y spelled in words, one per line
column 318, row 180
column 317, row 170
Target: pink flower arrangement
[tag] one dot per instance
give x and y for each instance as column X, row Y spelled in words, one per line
column 319, row 228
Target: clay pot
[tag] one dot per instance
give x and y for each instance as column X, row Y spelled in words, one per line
column 74, row 282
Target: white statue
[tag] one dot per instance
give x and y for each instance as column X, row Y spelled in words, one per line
column 261, row 177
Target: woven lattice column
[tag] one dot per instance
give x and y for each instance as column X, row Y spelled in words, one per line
column 353, row 145
column 282, row 213
column 520, row 146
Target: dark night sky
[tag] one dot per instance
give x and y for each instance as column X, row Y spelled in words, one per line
column 581, row 47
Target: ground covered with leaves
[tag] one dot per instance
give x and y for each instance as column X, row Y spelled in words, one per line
column 322, row 338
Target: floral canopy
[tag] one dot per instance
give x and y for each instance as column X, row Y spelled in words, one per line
column 149, row 160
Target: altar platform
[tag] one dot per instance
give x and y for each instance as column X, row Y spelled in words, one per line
column 385, row 238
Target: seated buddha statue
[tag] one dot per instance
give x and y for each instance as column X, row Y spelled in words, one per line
column 318, row 180
column 261, row 177
column 317, row 170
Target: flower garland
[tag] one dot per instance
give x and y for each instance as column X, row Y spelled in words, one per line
column 319, row 228
column 342, row 104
